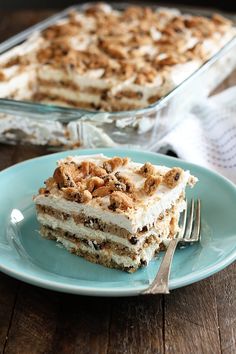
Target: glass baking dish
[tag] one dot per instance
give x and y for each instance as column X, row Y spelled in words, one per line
column 59, row 127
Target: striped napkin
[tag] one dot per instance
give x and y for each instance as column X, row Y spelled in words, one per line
column 208, row 136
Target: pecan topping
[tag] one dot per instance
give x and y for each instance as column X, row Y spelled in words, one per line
column 99, row 171
column 151, row 184
column 120, row 200
column 114, row 163
column 86, row 167
column 50, row 183
column 76, row 195
column 94, row 183
column 102, row 191
column 173, row 177
column 147, row 169
column 43, row 191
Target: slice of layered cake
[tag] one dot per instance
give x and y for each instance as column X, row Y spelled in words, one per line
column 112, row 211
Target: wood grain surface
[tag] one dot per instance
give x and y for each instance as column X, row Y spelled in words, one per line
column 200, row 318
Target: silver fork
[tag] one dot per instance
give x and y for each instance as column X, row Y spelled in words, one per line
column 189, row 232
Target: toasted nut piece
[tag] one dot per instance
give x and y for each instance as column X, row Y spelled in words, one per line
column 151, row 184
column 119, row 200
column 94, row 183
column 50, row 183
column 114, row 50
column 217, row 18
column 99, row 171
column 85, row 168
column 173, row 177
column 147, row 169
column 87, row 196
column 77, row 195
column 102, row 191
column 114, row 163
column 66, row 175
column 2, row 76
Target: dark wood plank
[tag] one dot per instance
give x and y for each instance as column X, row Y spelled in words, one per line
column 8, row 292
column 13, row 22
column 136, row 326
column 10, row 154
column 50, row 322
column 191, row 323
column 225, row 288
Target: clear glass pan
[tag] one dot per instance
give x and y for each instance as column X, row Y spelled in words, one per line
column 60, row 127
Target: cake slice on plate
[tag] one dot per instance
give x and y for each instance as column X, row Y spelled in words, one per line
column 112, row 211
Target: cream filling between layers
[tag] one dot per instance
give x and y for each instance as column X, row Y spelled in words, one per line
column 160, row 231
column 80, row 231
column 146, row 255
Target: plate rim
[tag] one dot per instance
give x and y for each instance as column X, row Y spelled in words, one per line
column 110, row 291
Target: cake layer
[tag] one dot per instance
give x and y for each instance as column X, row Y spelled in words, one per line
column 96, row 231
column 112, row 211
column 107, row 257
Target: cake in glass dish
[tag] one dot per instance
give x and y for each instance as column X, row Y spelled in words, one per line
column 112, row 211
column 103, row 59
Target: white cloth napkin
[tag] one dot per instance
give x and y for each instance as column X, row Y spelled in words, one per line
column 208, row 134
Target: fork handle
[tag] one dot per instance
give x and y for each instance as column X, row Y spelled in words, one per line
column 161, row 281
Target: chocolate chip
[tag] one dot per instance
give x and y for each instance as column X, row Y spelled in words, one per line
column 112, row 206
column 176, row 178
column 97, row 246
column 127, row 269
column 144, row 229
column 143, row 262
column 133, row 240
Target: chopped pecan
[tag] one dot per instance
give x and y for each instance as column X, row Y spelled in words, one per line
column 94, row 183
column 114, row 163
column 43, row 191
column 50, row 183
column 114, row 50
column 218, row 19
column 85, row 167
column 173, row 177
column 102, row 191
column 151, row 184
column 154, row 98
column 2, row 76
column 99, row 171
column 147, row 169
column 77, row 195
column 120, row 200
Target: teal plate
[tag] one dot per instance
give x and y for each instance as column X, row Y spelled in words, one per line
column 28, row 257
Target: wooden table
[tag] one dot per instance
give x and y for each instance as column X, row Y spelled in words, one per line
column 200, row 318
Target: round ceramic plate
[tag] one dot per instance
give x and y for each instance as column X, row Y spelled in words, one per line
column 28, row 257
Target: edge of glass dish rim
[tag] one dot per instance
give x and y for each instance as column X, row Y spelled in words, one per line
column 39, row 111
